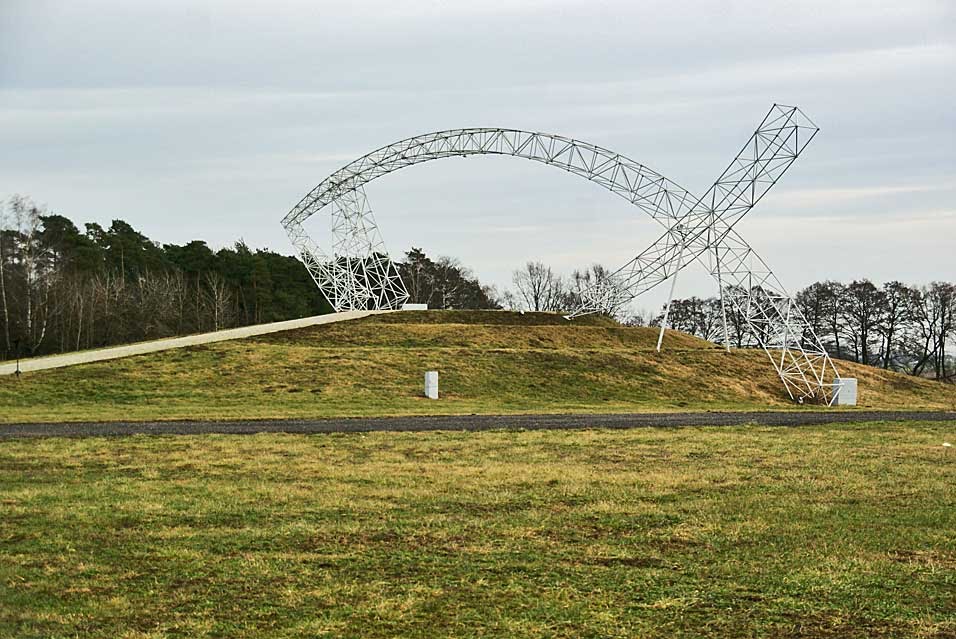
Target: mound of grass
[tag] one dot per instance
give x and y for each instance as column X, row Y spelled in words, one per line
column 489, row 362
column 838, row 531
column 489, row 318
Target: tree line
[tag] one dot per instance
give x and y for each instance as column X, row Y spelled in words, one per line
column 444, row 283
column 63, row 289
column 895, row 326
column 538, row 287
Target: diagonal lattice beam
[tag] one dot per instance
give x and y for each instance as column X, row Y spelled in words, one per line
column 706, row 231
column 357, row 272
column 769, row 152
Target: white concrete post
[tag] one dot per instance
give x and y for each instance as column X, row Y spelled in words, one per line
column 846, row 392
column 431, row 384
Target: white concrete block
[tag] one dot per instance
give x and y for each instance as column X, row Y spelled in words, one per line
column 846, row 395
column 431, row 384
column 414, row 307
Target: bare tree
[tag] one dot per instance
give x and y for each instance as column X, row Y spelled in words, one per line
column 702, row 317
column 3, row 277
column 449, row 281
column 899, row 300
column 581, row 282
column 219, row 299
column 641, row 317
column 940, row 300
column 78, row 309
column 538, row 287
column 178, row 298
column 862, row 309
column 510, row 301
column 156, row 300
column 37, row 271
column 821, row 305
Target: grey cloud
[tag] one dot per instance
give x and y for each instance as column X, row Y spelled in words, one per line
column 211, row 119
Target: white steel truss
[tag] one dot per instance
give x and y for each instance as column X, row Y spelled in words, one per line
column 358, row 273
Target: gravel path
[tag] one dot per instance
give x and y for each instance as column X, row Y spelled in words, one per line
column 466, row 422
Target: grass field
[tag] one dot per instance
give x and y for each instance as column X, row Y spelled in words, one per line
column 734, row 532
column 489, row 362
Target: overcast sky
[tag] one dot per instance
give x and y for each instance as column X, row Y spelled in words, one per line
column 210, row 120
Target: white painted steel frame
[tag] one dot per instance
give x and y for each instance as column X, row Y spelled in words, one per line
column 358, row 274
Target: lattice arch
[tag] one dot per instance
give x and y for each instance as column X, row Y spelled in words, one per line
column 358, row 274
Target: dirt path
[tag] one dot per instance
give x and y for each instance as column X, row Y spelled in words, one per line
column 466, row 422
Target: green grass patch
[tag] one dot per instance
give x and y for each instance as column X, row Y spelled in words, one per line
column 842, row 531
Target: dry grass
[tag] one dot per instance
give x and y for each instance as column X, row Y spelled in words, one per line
column 730, row 532
column 490, row 362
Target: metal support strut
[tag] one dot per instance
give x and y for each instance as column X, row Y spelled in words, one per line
column 670, row 297
column 358, row 273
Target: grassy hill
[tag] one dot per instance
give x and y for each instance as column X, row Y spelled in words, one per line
column 489, row 362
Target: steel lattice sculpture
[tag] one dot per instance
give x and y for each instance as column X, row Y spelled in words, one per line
column 358, row 274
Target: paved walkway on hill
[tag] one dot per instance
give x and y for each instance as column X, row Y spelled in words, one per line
column 140, row 348
column 470, row 423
